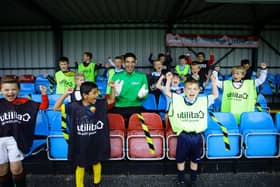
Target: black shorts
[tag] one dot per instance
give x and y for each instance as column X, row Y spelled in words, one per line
column 188, row 147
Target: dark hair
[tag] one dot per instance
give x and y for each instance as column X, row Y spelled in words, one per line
column 192, row 81
column 245, row 61
column 86, row 87
column 200, row 53
column 182, row 57
column 63, row 59
column 9, row 80
column 126, row 55
column 175, row 75
column 160, row 55
column 89, row 54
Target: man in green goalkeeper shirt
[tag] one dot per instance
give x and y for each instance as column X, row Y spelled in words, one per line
column 131, row 88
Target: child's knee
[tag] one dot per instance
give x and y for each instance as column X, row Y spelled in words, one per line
column 16, row 168
column 181, row 166
column 193, row 165
column 4, row 169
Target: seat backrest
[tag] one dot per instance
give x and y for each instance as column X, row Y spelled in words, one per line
column 152, row 120
column 270, row 76
column 41, row 127
column 28, row 78
column 27, row 87
column 261, row 100
column 256, row 120
column 54, row 119
column 36, row 97
column 277, row 121
column 53, row 98
column 116, row 122
column 10, row 76
column 150, row 102
column 41, row 80
column 226, row 118
column 162, row 103
column 266, row 88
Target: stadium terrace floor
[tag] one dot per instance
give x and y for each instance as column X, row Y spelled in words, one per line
column 260, row 179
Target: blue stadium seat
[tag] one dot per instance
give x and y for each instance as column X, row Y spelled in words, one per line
column 277, row 79
column 57, row 145
column 208, row 88
column 150, row 103
column 40, row 134
column 215, row 147
column 162, row 106
column 28, row 88
column 261, row 101
column 260, row 135
column 102, row 86
column 53, row 98
column 269, row 86
column 54, row 118
column 228, row 77
column 36, row 97
column 41, row 80
column 277, row 121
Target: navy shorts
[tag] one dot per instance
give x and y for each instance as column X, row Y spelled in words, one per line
column 188, row 147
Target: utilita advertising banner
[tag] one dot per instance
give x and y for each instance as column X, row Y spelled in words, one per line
column 228, row 41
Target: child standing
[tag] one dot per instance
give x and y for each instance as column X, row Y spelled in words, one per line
column 174, row 84
column 17, row 124
column 64, row 78
column 154, row 77
column 182, row 68
column 89, row 142
column 188, row 118
column 240, row 95
column 88, row 67
column 195, row 68
column 204, row 64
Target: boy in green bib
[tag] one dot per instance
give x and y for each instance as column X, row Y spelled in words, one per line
column 64, row 78
column 88, row 67
column 240, row 95
column 188, row 119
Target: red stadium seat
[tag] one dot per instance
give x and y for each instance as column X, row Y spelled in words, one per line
column 27, row 78
column 137, row 147
column 10, row 76
column 117, row 136
column 171, row 142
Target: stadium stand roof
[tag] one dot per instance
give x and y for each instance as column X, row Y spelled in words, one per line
column 64, row 12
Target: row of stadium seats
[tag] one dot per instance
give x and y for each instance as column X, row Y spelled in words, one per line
column 255, row 137
column 30, row 84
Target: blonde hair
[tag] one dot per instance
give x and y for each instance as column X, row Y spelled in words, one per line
column 240, row 69
column 79, row 75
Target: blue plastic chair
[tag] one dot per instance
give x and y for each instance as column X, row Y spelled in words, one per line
column 215, row 147
column 261, row 101
column 277, row 121
column 102, row 86
column 162, row 106
column 150, row 103
column 277, row 79
column 57, row 145
column 28, row 88
column 269, row 86
column 260, row 135
column 53, row 98
column 36, row 97
column 41, row 80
